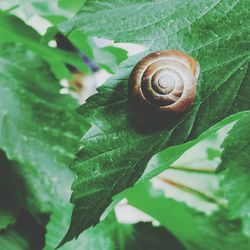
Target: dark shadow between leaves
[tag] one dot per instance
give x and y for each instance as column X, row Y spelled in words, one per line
column 152, row 121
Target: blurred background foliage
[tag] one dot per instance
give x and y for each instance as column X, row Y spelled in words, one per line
column 184, row 207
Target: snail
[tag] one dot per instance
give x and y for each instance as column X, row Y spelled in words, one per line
column 165, row 81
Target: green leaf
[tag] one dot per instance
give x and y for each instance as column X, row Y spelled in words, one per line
column 110, row 235
column 213, row 153
column 10, row 239
column 45, row 130
column 235, row 158
column 12, row 190
column 54, row 19
column 25, row 234
column 108, row 57
column 41, row 7
column 160, row 161
column 162, row 24
column 56, row 227
column 115, row 151
column 194, row 229
column 29, row 8
column 13, row 29
column 32, row 189
column 39, row 129
column 149, row 237
column 24, row 186
column 73, row 6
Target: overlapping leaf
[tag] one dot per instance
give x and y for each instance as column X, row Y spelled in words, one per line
column 110, row 235
column 235, row 158
column 115, row 151
column 29, row 8
column 13, row 29
column 107, row 58
column 194, row 229
column 38, row 127
column 73, row 6
column 12, row 190
column 166, row 157
column 39, row 130
column 24, row 234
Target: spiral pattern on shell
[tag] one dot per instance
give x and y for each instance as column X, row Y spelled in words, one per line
column 165, row 81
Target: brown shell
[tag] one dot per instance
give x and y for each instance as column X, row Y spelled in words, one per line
column 165, row 81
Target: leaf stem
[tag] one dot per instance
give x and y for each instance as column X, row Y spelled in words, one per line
column 193, row 191
column 208, row 170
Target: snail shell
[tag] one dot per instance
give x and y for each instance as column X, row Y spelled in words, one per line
column 165, row 81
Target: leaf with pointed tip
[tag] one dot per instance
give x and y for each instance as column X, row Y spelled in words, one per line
column 110, row 235
column 235, row 159
column 115, row 151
